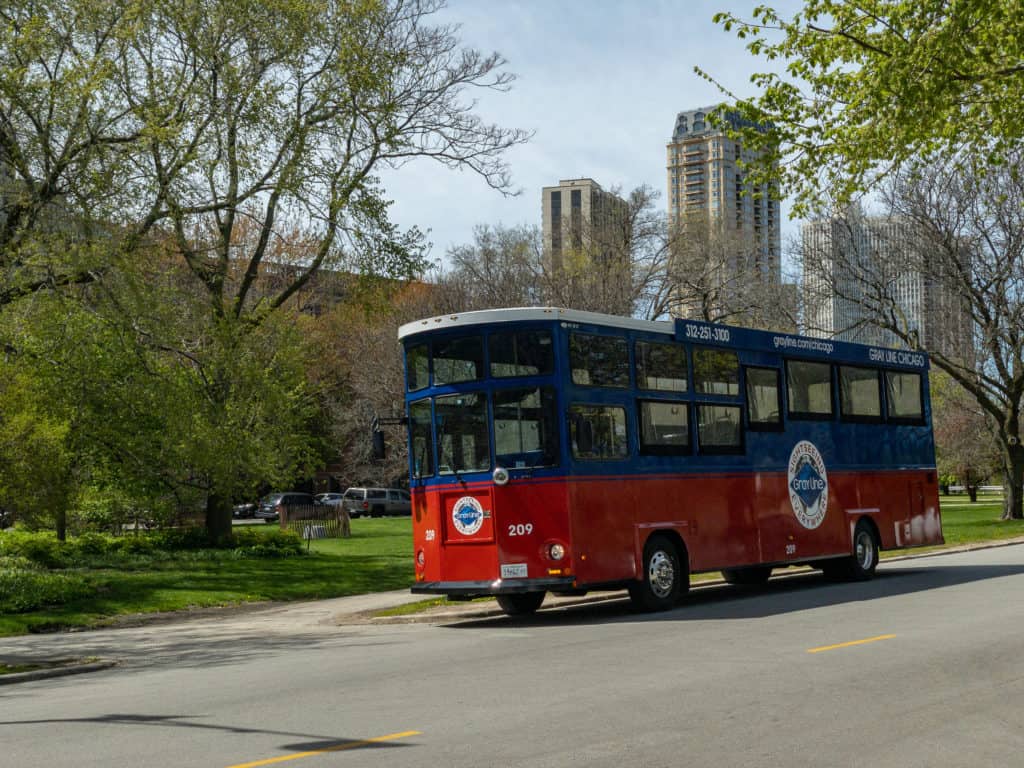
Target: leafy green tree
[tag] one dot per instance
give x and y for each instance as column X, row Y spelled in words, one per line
column 871, row 84
column 242, row 138
column 37, row 478
column 965, row 446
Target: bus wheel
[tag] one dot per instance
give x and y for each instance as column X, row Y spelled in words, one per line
column 522, row 604
column 864, row 559
column 861, row 563
column 663, row 576
column 757, row 574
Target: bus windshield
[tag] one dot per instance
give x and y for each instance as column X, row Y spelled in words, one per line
column 525, row 429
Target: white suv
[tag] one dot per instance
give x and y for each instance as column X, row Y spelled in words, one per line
column 377, row 502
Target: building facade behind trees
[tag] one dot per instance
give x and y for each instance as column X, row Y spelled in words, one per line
column 586, row 229
column 856, row 266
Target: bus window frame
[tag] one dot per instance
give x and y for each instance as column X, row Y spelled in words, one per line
column 648, row 449
column 629, row 386
column 430, row 374
column 571, row 445
column 653, row 392
column 763, row 426
column 882, row 405
column 904, row 421
column 728, row 450
column 811, row 415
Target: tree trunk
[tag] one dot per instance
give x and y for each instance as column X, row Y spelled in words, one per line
column 62, row 524
column 218, row 518
column 1013, row 500
column 972, row 493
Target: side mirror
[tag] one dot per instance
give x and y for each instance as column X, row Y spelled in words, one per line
column 379, row 449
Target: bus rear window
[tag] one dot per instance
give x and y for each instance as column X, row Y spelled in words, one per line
column 521, row 353
column 458, row 360
column 809, row 388
column 599, row 361
column 660, row 367
column 716, row 372
column 462, row 441
column 598, row 432
column 525, row 427
column 903, row 391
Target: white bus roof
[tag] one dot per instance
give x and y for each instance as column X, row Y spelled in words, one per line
column 520, row 314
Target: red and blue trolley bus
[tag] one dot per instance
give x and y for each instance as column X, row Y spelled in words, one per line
column 565, row 451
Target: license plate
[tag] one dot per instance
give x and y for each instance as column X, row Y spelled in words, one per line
column 517, row 571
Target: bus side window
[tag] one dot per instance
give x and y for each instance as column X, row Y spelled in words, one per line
column 860, row 398
column 599, row 361
column 715, row 372
column 764, row 401
column 903, row 396
column 809, row 389
column 719, row 428
column 664, row 427
column 598, row 432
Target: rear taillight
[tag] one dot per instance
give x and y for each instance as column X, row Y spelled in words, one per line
column 366, row 505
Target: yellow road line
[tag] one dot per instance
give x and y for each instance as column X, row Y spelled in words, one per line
column 334, row 748
column 852, row 642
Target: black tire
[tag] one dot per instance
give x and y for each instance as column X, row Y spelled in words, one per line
column 521, row 603
column 755, row 575
column 377, row 512
column 861, row 563
column 666, row 577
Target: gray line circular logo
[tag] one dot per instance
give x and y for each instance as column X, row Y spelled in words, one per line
column 808, row 484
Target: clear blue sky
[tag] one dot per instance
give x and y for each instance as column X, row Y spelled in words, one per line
column 599, row 83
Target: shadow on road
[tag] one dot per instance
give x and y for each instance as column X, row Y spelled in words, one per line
column 779, row 596
column 315, row 742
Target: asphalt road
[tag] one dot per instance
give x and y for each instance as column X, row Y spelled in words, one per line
column 924, row 666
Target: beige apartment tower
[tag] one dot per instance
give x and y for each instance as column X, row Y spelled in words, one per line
column 709, row 195
column 586, row 245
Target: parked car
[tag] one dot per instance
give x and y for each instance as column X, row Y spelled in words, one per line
column 377, row 502
column 244, row 510
column 272, row 504
column 331, row 499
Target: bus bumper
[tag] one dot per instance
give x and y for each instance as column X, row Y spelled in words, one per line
column 496, row 587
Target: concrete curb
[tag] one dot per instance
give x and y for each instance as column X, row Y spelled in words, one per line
column 72, row 668
column 490, row 610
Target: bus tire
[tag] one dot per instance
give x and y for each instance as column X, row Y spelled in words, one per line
column 864, row 558
column 664, row 576
column 747, row 577
column 520, row 604
column 860, row 564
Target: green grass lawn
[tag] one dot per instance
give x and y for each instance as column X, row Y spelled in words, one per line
column 378, row 557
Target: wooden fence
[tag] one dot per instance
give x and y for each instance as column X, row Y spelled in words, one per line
column 319, row 521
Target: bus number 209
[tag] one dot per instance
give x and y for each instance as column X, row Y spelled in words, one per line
column 520, row 529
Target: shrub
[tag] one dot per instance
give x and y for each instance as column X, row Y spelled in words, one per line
column 27, row 589
column 272, row 543
column 91, row 544
column 41, row 548
column 138, row 545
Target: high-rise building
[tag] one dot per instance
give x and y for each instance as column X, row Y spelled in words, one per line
column 579, row 214
column 586, row 232
column 709, row 188
column 856, row 266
